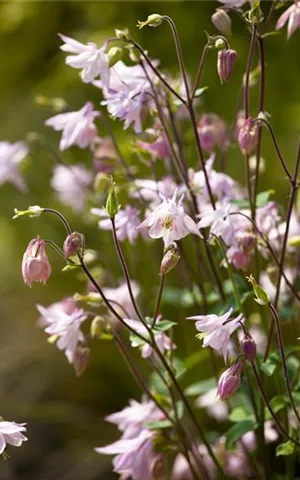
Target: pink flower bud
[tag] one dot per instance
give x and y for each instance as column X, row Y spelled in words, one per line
column 211, row 131
column 81, row 360
column 230, row 381
column 222, row 21
column 248, row 136
column 35, row 264
column 73, row 243
column 225, row 64
column 249, row 347
column 170, row 259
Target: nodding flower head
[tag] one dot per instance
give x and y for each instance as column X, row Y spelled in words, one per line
column 248, row 136
column 230, row 381
column 35, row 264
column 226, row 61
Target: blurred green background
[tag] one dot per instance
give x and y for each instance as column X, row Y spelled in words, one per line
column 65, row 414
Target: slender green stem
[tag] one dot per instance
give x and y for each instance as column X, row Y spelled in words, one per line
column 158, row 300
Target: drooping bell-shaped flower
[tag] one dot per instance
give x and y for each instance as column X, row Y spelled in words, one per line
column 35, row 265
column 230, row 380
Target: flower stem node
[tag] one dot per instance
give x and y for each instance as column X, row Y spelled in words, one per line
column 98, row 326
column 249, row 347
column 33, row 211
column 112, row 203
column 170, row 259
column 262, row 296
column 230, row 380
column 153, row 20
column 74, row 243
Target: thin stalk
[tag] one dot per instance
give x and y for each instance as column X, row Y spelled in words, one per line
column 125, row 271
column 61, row 217
column 267, row 404
column 261, row 107
column 158, row 300
column 283, row 359
column 199, row 71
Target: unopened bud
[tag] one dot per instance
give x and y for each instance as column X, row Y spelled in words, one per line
column 225, row 64
column 262, row 296
column 230, row 380
column 222, row 21
column 81, row 360
column 112, row 203
column 170, row 259
column 97, row 326
column 73, row 243
column 153, row 20
column 100, row 183
column 158, row 467
column 115, row 54
column 249, row 347
column 34, row 211
column 248, row 136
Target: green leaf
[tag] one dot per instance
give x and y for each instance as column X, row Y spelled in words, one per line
column 263, row 197
column 201, row 387
column 285, row 449
column 158, row 425
column 271, row 34
column 268, row 367
column 69, row 267
column 165, row 325
column 237, row 431
column 200, row 91
column 279, row 402
column 239, row 414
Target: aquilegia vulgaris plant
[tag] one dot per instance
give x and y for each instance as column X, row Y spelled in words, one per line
column 228, row 254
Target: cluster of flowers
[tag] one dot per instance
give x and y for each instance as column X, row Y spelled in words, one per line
column 240, row 227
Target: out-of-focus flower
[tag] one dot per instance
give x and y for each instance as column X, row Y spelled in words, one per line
column 35, row 265
column 271, row 435
column 162, row 340
column 217, row 335
column 212, row 132
column 181, row 468
column 237, row 257
column 126, row 222
column 152, row 191
column 169, row 221
column 71, row 184
column 222, row 21
column 11, row 434
column 11, row 157
column 233, row 3
column 292, row 14
column 210, row 402
column 121, row 296
column 62, row 321
column 78, row 127
column 225, row 64
column 158, row 146
column 92, row 60
column 104, row 155
column 248, row 136
column 230, row 380
column 220, row 222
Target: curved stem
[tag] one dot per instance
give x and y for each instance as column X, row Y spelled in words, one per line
column 158, row 300
column 283, row 360
column 61, row 217
column 267, row 404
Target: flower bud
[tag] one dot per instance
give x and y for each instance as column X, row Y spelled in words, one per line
column 122, row 34
column 170, row 259
column 225, row 64
column 249, row 347
column 222, row 21
column 230, row 380
column 73, row 243
column 35, row 264
column 97, row 327
column 33, row 211
column 112, row 203
column 81, row 360
column 153, row 21
column 212, row 131
column 248, row 136
column 115, row 54
column 262, row 296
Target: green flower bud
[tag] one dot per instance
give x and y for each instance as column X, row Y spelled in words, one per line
column 262, row 297
column 34, row 211
column 112, row 203
column 115, row 54
column 122, row 34
column 97, row 326
column 153, row 21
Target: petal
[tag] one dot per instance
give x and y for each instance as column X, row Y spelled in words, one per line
column 2, row 444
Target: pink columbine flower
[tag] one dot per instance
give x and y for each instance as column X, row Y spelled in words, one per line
column 220, row 222
column 35, row 265
column 292, row 14
column 169, row 221
column 164, row 343
column 71, row 184
column 11, row 157
column 11, row 434
column 248, row 136
column 225, row 64
column 212, row 132
column 62, row 321
column 230, row 380
column 217, row 329
column 152, row 191
column 78, row 127
column 93, row 60
column 126, row 222
column 127, row 105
